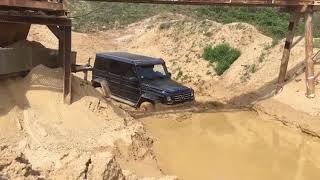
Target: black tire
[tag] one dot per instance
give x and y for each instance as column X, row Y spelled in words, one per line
column 105, row 89
column 95, row 84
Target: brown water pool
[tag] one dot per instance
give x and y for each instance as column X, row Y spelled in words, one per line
column 233, row 146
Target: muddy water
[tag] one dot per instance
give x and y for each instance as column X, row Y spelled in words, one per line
column 233, row 146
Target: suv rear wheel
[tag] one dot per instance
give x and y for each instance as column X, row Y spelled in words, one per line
column 105, row 89
column 95, row 84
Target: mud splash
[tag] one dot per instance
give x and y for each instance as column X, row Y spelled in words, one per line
column 233, row 146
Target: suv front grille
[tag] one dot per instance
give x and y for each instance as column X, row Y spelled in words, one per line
column 182, row 97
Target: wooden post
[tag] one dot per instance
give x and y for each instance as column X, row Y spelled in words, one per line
column 294, row 21
column 308, row 53
column 67, row 65
column 86, row 72
column 61, row 49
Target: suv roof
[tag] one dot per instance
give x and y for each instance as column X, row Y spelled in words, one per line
column 130, row 58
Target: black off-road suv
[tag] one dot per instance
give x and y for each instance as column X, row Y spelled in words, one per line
column 136, row 79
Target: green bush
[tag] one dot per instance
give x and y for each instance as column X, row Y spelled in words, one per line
column 223, row 55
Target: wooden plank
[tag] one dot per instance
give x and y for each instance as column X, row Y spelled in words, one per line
column 223, row 2
column 12, row 32
column 294, row 21
column 61, row 53
column 55, row 30
column 32, row 4
column 35, row 19
column 67, row 96
column 310, row 85
column 13, row 60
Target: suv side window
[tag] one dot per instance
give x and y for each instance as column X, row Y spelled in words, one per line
column 128, row 71
column 115, row 67
column 98, row 64
column 106, row 65
column 121, row 69
column 102, row 64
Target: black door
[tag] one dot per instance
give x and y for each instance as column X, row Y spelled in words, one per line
column 130, row 86
column 123, row 81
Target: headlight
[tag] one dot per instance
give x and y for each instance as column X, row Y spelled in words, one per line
column 192, row 93
column 169, row 98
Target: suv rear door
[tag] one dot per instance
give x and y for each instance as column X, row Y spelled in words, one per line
column 125, row 78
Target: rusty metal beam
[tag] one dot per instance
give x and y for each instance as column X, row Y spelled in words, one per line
column 32, row 4
column 224, row 2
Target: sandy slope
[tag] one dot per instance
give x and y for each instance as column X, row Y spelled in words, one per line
column 181, row 44
column 61, row 141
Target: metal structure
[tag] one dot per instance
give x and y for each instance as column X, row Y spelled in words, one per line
column 16, row 16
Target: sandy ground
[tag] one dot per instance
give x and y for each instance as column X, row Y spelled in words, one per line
column 49, row 139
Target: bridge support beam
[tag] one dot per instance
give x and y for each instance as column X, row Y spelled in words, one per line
column 63, row 33
column 310, row 79
column 294, row 21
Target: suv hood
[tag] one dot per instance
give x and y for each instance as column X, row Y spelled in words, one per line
column 167, row 85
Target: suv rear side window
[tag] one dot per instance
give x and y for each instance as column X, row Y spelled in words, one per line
column 122, row 69
column 102, row 64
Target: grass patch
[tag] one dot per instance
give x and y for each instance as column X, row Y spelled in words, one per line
column 269, row 20
column 223, row 55
column 179, row 75
column 316, row 43
column 262, row 57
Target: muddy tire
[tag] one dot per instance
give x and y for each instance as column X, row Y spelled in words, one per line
column 105, row 89
column 95, row 84
column 146, row 106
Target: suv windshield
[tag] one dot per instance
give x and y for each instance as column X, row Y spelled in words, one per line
column 153, row 71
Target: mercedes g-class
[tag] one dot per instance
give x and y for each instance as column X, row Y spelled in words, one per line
column 136, row 79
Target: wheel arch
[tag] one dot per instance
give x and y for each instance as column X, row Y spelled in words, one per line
column 148, row 97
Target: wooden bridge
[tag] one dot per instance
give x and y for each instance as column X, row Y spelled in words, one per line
column 16, row 16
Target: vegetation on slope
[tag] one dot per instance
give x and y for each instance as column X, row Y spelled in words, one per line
column 92, row 16
column 222, row 55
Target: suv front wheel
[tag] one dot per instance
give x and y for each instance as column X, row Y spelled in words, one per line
column 146, row 106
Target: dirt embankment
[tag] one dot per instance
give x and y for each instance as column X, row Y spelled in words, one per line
column 181, row 40
column 48, row 139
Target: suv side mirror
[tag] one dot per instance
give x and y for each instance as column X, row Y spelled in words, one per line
column 169, row 74
column 133, row 78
